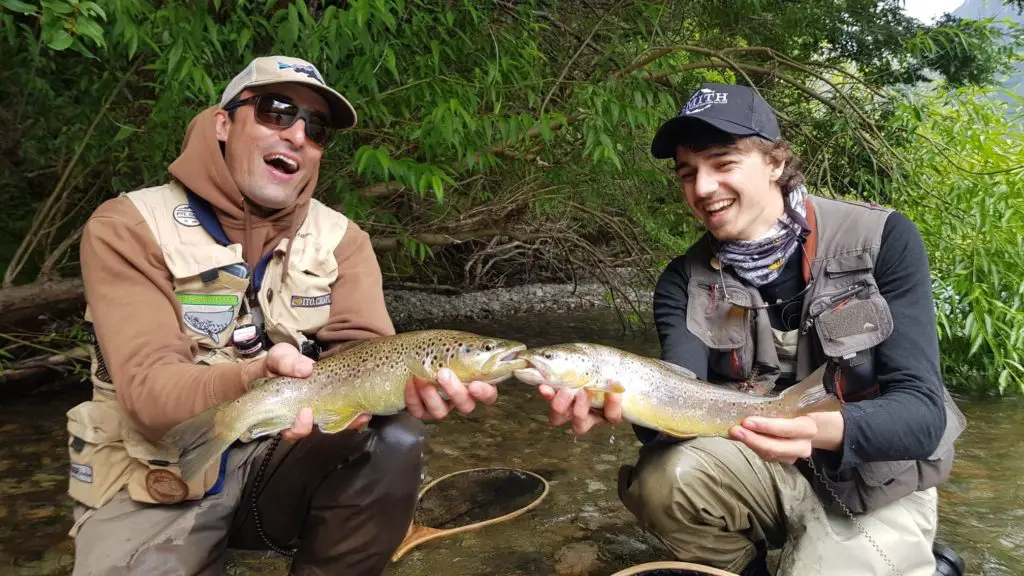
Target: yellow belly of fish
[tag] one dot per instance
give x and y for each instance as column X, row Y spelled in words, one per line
column 644, row 413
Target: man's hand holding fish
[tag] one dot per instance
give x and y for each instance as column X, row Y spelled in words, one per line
column 283, row 359
column 572, row 404
column 425, row 401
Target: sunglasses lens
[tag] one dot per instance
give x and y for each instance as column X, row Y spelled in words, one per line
column 275, row 112
column 282, row 114
column 318, row 131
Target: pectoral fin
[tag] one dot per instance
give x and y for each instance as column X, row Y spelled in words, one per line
column 267, row 427
column 332, row 421
column 680, row 436
column 415, row 365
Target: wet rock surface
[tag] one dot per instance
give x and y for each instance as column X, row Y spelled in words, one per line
column 414, row 309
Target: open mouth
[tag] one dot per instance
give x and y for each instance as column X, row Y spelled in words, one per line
column 501, row 367
column 718, row 206
column 511, row 360
column 513, row 354
column 282, row 163
column 533, row 372
column 530, row 376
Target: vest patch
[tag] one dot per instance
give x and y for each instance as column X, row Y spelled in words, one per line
column 81, row 472
column 184, row 215
column 310, row 301
column 208, row 314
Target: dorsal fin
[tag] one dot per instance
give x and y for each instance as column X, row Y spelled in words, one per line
column 675, row 368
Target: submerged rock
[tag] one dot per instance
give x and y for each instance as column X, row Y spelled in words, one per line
column 577, row 559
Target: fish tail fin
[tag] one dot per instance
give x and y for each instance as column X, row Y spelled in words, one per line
column 200, row 442
column 809, row 395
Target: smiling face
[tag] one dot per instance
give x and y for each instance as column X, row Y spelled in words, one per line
column 732, row 188
column 271, row 166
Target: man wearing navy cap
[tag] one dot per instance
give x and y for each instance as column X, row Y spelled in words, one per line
column 784, row 282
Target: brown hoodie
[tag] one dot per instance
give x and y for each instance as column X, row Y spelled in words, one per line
column 137, row 316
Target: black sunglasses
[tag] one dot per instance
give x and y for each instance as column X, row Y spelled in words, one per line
column 277, row 112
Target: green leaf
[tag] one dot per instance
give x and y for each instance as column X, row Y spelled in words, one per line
column 58, row 7
column 122, row 133
column 18, row 6
column 90, row 28
column 289, row 31
column 175, row 54
column 133, row 43
column 61, row 40
column 91, row 8
column 435, row 182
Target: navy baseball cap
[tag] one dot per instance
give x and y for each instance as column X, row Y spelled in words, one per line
column 731, row 108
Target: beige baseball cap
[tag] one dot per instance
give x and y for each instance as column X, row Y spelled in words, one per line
column 278, row 69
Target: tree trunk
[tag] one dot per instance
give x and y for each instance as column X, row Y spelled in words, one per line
column 22, row 301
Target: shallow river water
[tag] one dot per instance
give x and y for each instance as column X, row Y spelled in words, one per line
column 579, row 528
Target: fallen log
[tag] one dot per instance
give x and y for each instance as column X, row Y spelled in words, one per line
column 39, row 365
column 18, row 300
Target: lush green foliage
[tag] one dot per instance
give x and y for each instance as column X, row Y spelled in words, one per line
column 493, row 132
column 965, row 190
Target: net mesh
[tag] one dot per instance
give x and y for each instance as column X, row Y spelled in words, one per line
column 476, row 496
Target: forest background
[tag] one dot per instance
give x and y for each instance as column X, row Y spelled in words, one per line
column 503, row 142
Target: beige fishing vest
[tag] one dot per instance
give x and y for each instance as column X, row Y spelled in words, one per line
column 107, row 452
column 844, row 317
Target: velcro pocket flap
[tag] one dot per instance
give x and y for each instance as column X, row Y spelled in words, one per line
column 848, row 263
column 854, row 325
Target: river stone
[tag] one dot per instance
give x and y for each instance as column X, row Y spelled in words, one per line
column 577, row 559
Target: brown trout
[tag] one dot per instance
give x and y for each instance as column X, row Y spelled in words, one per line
column 662, row 396
column 369, row 377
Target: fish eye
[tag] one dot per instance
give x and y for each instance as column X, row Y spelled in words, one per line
column 488, row 347
column 549, row 356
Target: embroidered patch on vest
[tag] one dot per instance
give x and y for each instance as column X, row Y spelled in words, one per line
column 311, row 301
column 81, row 472
column 165, row 486
column 208, row 314
column 184, row 215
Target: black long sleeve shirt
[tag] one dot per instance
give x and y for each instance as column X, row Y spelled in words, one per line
column 907, row 419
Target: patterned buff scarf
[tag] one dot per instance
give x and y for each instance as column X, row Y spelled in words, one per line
column 761, row 261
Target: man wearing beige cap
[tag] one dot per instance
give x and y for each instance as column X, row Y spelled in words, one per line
column 231, row 272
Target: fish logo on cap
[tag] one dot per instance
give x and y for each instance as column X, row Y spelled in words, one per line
column 301, row 69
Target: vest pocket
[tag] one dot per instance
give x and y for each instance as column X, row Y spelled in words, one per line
column 302, row 303
column 210, row 303
column 155, row 478
column 723, row 327
column 851, row 319
column 718, row 324
column 99, row 463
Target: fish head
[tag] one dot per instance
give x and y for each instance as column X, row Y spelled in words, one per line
column 560, row 366
column 485, row 359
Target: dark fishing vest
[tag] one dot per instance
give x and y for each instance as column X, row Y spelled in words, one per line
column 844, row 317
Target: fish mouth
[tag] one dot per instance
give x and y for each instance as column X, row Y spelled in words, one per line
column 513, row 355
column 535, row 370
column 503, row 366
column 530, row 376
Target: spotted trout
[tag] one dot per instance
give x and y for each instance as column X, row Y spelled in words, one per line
column 369, row 377
column 662, row 396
